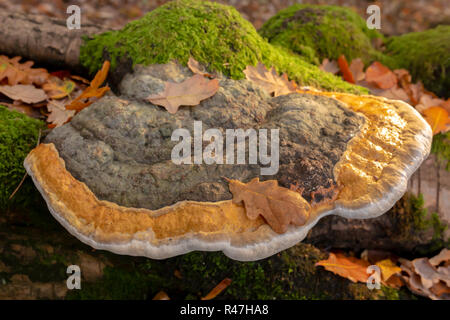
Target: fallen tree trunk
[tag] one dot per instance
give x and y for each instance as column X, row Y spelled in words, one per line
column 42, row 39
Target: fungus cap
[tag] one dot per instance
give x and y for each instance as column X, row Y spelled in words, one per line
column 372, row 174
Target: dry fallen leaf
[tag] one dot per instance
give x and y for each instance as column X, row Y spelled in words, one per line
column 24, row 92
column 278, row 205
column 217, row 289
column 437, row 118
column 15, row 72
column 329, row 66
column 345, row 70
column 187, row 93
column 395, row 93
column 357, row 69
column 197, row 68
column 426, row 101
column 388, row 269
column 161, row 296
column 93, row 91
column 269, row 80
column 58, row 114
column 381, row 76
column 429, row 277
column 58, row 89
column 351, row 268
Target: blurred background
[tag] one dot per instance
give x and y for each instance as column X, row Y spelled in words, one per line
column 397, row 16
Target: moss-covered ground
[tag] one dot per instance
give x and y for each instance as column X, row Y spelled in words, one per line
column 214, row 34
column 18, row 135
column 319, row 32
column 426, row 55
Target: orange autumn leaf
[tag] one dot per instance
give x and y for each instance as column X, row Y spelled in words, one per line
column 190, row 92
column 269, row 80
column 161, row 296
column 58, row 89
column 217, row 289
column 388, row 269
column 351, row 268
column 437, row 118
column 93, row 91
column 345, row 70
column 197, row 68
column 381, row 76
column 278, row 205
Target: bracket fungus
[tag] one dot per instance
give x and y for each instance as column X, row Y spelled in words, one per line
column 108, row 177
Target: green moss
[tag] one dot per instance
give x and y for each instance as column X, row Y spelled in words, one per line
column 441, row 148
column 426, row 55
column 214, row 34
column 18, row 135
column 317, row 32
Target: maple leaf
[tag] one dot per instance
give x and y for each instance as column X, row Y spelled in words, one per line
column 197, row 68
column 329, row 66
column 217, row 289
column 21, row 73
column 278, row 205
column 351, row 268
column 58, row 114
column 437, row 118
column 93, row 91
column 269, row 80
column 58, row 89
column 345, row 70
column 381, row 76
column 190, row 92
column 24, row 92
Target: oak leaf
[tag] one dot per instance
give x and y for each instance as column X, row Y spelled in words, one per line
column 93, row 92
column 269, row 80
column 381, row 76
column 351, row 268
column 187, row 93
column 279, row 206
column 24, row 92
column 58, row 114
column 14, row 72
column 437, row 118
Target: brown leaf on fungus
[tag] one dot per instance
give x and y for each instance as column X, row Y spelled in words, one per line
column 279, row 206
column 24, row 92
column 197, row 68
column 269, row 80
column 14, row 72
column 93, row 91
column 58, row 114
column 345, row 70
column 381, row 76
column 187, row 93
column 351, row 268
column 217, row 289
column 437, row 118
